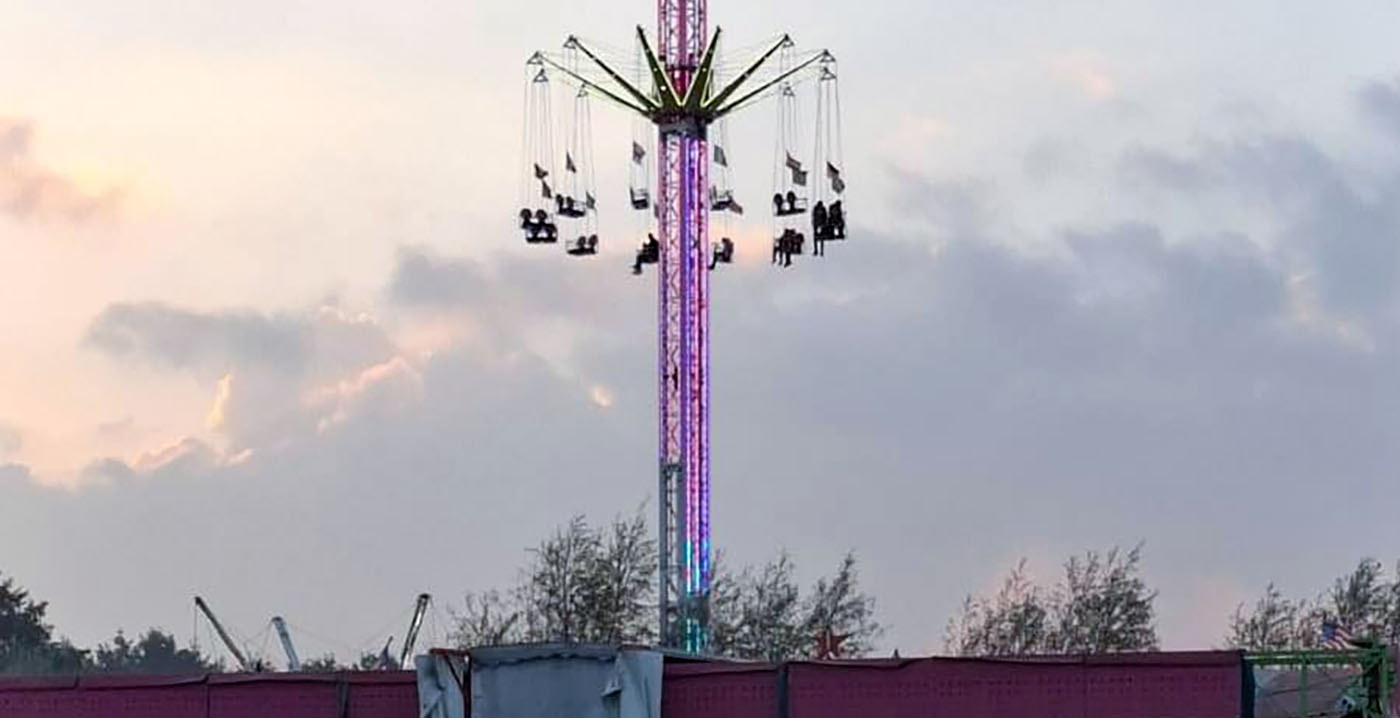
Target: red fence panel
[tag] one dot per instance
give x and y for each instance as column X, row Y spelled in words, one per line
column 103, row 697
column 714, row 690
column 1183, row 685
column 1167, row 685
column 383, row 695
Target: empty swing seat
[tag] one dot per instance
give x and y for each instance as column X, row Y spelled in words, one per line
column 641, row 198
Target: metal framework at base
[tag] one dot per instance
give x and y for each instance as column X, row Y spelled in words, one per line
column 1363, row 690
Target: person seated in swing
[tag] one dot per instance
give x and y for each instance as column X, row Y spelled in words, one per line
column 649, row 253
column 723, row 254
column 836, row 220
column 584, row 245
column 821, row 228
column 778, row 203
column 527, row 218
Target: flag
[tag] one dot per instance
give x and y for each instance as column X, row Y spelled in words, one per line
column 720, row 159
column 1334, row 637
column 545, row 191
column 639, row 153
column 838, row 185
column 793, row 164
column 540, row 172
column 569, row 162
column 734, row 207
column 799, row 178
column 832, row 172
column 589, row 201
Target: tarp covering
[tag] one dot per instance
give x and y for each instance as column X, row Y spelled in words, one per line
column 440, row 676
column 578, row 681
column 1182, row 685
column 278, row 695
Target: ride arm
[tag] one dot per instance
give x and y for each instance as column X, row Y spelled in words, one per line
column 748, row 72
column 631, row 89
column 704, row 76
column 669, row 100
column 595, row 86
column 722, row 111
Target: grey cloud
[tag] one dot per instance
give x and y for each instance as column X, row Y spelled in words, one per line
column 187, row 339
column 275, row 360
column 30, row 191
column 423, row 278
column 1344, row 226
column 15, row 473
column 1380, row 101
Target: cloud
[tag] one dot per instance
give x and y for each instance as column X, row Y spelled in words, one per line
column 11, row 439
column 187, row 339
column 215, row 418
column 15, row 473
column 1088, row 73
column 1380, row 102
column 30, row 191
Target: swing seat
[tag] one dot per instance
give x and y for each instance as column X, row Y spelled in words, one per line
column 641, row 198
column 584, row 246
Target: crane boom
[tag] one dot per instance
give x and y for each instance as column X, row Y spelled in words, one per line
column 223, row 635
column 293, row 663
column 411, row 638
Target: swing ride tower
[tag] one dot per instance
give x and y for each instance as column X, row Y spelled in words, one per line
column 676, row 89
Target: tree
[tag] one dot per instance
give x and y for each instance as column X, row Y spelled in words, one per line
column 326, row 663
column 1015, row 622
column 619, row 585
column 1363, row 601
column 1275, row 623
column 487, row 619
column 767, row 617
column 26, row 641
column 837, row 606
column 1101, row 605
column 762, row 614
column 1105, row 606
column 153, row 652
column 590, row 584
column 582, row 584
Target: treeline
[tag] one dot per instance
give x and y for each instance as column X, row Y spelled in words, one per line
column 598, row 584
column 589, row 583
column 28, row 645
column 1101, row 604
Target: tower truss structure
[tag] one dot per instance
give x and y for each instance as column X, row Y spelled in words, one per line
column 682, row 98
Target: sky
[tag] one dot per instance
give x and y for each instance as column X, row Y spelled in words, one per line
column 1119, row 272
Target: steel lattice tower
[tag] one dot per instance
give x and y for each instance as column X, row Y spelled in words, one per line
column 683, row 289
column 684, row 100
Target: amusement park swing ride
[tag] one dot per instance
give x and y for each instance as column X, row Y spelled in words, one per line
column 680, row 94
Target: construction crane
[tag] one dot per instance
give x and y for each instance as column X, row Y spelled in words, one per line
column 411, row 638
column 223, row 636
column 293, row 663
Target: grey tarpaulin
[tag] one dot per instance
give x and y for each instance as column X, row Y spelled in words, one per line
column 578, row 681
column 439, row 693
